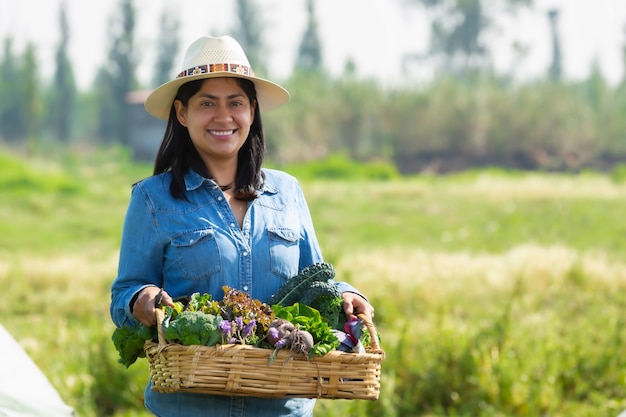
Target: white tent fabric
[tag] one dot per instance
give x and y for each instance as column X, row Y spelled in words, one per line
column 24, row 390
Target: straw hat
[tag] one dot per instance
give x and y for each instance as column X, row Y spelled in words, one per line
column 210, row 57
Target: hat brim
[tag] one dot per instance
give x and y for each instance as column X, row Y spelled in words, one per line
column 159, row 103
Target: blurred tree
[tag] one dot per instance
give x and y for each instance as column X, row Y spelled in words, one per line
column 310, row 50
column 29, row 93
column 9, row 94
column 16, row 98
column 168, row 44
column 555, row 71
column 63, row 90
column 107, row 106
column 357, row 134
column 117, row 78
column 249, row 33
column 458, row 31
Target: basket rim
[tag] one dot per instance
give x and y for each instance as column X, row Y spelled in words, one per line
column 370, row 353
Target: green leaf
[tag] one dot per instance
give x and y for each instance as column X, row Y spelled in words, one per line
column 129, row 341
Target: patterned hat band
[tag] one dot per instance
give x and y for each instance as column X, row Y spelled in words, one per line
column 214, row 68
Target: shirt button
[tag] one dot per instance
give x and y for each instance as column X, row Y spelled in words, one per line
column 220, row 198
column 232, row 225
column 245, row 288
column 245, row 253
column 191, row 241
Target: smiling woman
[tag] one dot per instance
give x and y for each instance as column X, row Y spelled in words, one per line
column 211, row 216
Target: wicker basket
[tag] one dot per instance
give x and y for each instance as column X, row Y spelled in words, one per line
column 244, row 370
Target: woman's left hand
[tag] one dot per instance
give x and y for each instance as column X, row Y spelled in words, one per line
column 354, row 304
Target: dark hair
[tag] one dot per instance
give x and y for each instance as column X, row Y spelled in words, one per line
column 178, row 154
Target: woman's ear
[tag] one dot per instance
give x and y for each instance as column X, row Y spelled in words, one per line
column 181, row 112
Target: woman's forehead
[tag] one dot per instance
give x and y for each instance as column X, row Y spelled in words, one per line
column 222, row 85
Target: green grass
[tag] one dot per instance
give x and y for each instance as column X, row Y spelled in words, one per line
column 451, row 214
column 496, row 293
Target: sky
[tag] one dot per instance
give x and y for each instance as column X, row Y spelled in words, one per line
column 375, row 34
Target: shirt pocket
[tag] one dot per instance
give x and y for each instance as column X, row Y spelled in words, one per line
column 284, row 252
column 197, row 253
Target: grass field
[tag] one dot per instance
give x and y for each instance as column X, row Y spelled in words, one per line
column 497, row 294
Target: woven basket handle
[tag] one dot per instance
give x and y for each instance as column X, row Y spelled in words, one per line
column 372, row 330
column 160, row 316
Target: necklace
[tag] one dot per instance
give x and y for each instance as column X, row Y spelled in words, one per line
column 226, row 187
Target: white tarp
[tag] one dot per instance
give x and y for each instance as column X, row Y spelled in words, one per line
column 24, row 390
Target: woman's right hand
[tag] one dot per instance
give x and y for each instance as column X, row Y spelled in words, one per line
column 145, row 305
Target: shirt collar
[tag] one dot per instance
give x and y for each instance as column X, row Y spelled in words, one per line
column 193, row 181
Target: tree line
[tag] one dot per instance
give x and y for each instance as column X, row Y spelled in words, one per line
column 468, row 115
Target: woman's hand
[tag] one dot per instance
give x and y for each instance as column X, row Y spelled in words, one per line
column 145, row 305
column 354, row 304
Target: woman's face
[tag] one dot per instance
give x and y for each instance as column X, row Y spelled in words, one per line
column 218, row 118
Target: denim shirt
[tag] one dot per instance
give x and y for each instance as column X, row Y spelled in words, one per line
column 196, row 245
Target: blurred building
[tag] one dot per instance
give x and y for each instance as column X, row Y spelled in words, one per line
column 145, row 131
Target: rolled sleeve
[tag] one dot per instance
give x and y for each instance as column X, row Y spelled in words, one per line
column 141, row 255
column 345, row 287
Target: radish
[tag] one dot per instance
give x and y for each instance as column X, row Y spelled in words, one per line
column 283, row 334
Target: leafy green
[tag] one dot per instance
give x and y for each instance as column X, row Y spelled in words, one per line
column 296, row 287
column 314, row 287
column 331, row 309
column 310, row 319
column 129, row 341
column 202, row 302
column 200, row 320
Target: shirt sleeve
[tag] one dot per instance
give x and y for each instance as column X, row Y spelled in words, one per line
column 141, row 258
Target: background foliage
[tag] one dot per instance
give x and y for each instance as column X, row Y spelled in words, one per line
column 467, row 115
column 497, row 293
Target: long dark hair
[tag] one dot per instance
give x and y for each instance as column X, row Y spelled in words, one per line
column 178, row 154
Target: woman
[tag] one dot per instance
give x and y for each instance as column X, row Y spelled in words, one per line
column 210, row 216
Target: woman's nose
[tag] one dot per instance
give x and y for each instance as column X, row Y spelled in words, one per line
column 223, row 113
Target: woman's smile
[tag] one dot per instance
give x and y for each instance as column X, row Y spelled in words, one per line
column 221, row 132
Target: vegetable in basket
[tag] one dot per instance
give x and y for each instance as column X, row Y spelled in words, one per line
column 237, row 318
column 200, row 320
column 195, row 328
column 283, row 334
column 129, row 341
column 313, row 286
column 306, row 318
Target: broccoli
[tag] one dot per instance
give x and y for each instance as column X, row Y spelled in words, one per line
column 194, row 328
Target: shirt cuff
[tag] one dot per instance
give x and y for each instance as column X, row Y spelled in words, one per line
column 345, row 287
